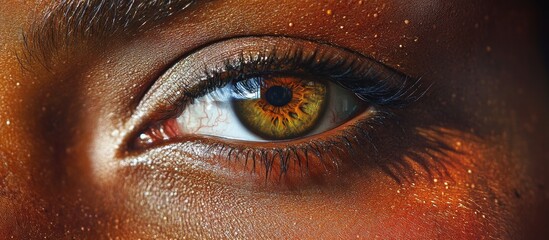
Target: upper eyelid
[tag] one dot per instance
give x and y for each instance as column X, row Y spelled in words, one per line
column 157, row 103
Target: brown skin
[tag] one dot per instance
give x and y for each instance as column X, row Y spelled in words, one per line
column 60, row 177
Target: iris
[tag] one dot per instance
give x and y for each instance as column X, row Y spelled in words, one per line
column 287, row 107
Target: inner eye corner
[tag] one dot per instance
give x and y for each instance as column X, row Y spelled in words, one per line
column 156, row 131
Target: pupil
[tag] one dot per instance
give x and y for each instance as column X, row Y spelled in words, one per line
column 278, row 96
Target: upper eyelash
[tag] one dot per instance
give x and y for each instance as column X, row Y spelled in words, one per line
column 372, row 86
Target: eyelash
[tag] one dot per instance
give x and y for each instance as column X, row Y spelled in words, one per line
column 383, row 88
column 372, row 86
column 304, row 153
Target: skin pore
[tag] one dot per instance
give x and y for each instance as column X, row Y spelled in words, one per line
column 66, row 115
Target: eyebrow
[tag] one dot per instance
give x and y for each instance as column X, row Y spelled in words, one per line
column 67, row 24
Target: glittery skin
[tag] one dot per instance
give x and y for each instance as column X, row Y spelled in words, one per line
column 64, row 172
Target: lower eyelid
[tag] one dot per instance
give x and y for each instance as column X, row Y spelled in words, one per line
column 373, row 140
column 310, row 160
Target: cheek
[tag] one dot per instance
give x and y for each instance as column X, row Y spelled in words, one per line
column 462, row 202
column 428, row 211
column 432, row 216
column 422, row 211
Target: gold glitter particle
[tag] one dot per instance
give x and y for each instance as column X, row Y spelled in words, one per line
column 329, row 12
column 406, row 21
column 291, row 24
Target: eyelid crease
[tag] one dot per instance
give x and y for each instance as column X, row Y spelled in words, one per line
column 218, row 64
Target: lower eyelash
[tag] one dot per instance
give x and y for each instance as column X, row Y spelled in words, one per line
column 284, row 160
column 277, row 162
column 357, row 145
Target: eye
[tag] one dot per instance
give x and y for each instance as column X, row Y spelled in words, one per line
column 279, row 106
column 270, row 107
